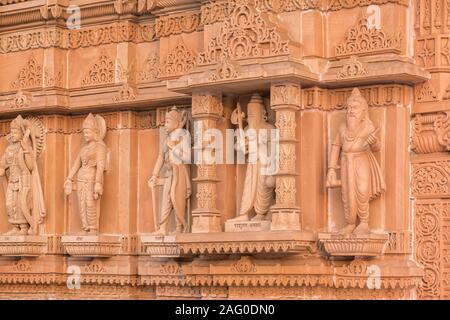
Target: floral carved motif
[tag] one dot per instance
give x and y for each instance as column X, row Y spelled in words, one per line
column 150, row 69
column 226, row 70
column 29, row 76
column 206, row 104
column 431, row 132
column 286, row 191
column 179, row 61
column 244, row 265
column 20, row 100
column 363, row 39
column 101, row 72
column 214, row 11
column 171, row 25
column 430, row 179
column 126, row 93
column 206, row 195
column 427, row 229
column 425, row 92
column 353, row 68
column 53, row 80
column 426, row 52
column 245, row 34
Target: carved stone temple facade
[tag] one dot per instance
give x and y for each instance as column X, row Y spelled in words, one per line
column 93, row 204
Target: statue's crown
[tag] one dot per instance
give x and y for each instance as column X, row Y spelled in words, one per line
column 90, row 122
column 256, row 103
column 17, row 123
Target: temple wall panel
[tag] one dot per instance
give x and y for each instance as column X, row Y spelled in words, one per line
column 114, row 89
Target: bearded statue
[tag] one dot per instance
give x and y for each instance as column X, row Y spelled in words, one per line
column 361, row 177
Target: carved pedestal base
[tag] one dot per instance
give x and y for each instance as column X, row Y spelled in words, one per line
column 185, row 245
column 91, row 246
column 285, row 219
column 248, row 226
column 205, row 222
column 353, row 245
column 23, row 246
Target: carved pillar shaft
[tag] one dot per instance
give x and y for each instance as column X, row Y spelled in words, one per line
column 206, row 110
column 285, row 101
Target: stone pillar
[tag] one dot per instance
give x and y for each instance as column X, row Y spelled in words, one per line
column 206, row 110
column 285, row 101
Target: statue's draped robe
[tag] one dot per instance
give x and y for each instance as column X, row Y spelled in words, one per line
column 361, row 175
column 23, row 192
column 258, row 193
column 176, row 189
column 90, row 155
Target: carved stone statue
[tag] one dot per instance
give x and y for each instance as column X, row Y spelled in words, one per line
column 361, row 177
column 91, row 163
column 259, row 189
column 23, row 192
column 175, row 179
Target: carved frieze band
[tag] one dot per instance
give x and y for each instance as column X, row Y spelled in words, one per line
column 114, row 120
column 335, row 99
column 214, row 11
column 432, row 16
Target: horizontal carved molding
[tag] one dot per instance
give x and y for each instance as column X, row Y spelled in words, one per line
column 213, row 10
column 210, row 12
column 335, row 99
column 119, row 120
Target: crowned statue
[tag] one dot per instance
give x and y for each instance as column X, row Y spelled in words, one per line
column 361, row 177
column 171, row 171
column 89, row 166
column 259, row 187
column 22, row 185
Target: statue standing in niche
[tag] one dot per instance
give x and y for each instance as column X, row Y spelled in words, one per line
column 259, row 188
column 176, row 179
column 361, row 177
column 90, row 164
column 23, row 192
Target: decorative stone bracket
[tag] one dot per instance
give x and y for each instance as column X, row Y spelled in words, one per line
column 190, row 245
column 431, row 132
column 353, row 245
column 103, row 246
column 23, row 246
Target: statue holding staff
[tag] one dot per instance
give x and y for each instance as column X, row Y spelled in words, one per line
column 22, row 185
column 173, row 160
